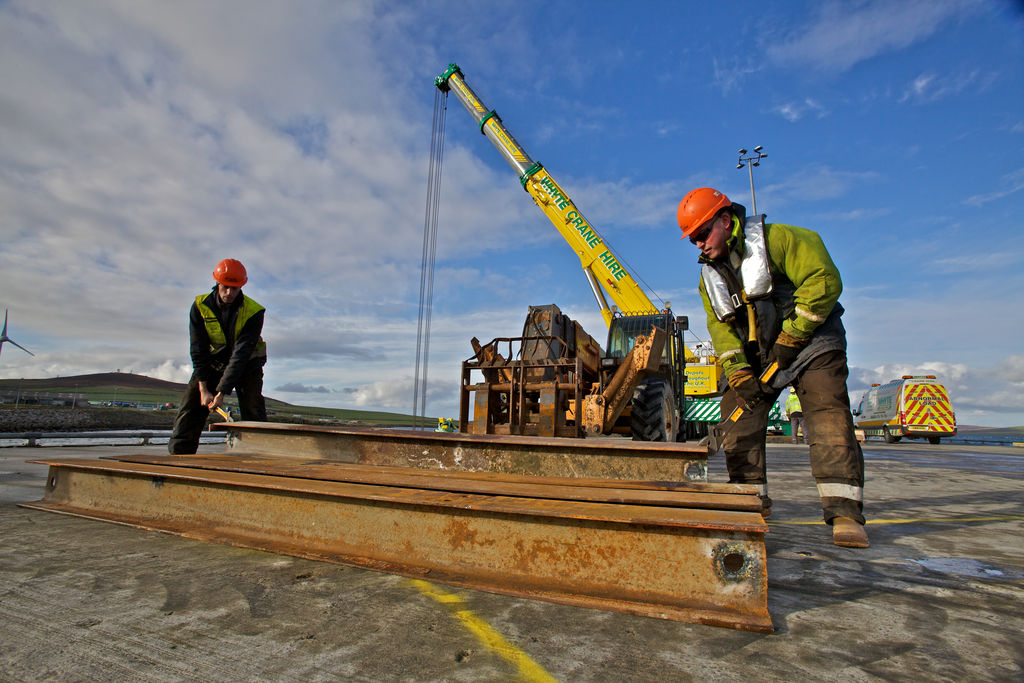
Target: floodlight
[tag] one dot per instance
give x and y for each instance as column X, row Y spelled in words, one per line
column 743, row 151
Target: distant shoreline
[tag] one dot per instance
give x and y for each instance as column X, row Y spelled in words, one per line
column 33, row 418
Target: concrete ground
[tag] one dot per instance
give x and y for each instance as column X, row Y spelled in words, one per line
column 938, row 596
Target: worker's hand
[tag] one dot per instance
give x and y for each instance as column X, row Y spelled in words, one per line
column 216, row 401
column 786, row 349
column 205, row 395
column 748, row 388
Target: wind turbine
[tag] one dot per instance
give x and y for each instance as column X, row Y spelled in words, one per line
column 5, row 338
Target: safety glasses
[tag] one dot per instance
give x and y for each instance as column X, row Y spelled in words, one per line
column 701, row 235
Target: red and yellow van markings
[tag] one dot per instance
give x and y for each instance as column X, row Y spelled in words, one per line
column 928, row 408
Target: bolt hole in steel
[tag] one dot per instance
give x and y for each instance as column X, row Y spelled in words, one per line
column 732, row 562
column 695, row 471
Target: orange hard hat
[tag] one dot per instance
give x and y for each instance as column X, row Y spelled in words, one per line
column 698, row 207
column 230, row 273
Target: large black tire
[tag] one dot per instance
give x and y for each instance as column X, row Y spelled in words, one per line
column 890, row 438
column 933, row 439
column 654, row 416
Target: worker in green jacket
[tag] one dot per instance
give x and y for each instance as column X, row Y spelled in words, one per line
column 228, row 354
column 771, row 293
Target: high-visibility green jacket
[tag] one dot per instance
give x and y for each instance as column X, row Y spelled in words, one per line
column 803, row 302
column 793, row 404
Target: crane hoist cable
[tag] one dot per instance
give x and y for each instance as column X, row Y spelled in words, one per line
column 419, row 397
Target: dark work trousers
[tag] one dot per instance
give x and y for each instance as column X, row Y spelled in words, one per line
column 192, row 415
column 837, row 462
column 796, row 427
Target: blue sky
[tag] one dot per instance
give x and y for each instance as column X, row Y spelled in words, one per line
column 145, row 141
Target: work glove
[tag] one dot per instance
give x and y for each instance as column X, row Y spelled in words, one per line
column 748, row 388
column 786, row 349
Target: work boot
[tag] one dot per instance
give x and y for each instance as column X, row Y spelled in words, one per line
column 766, row 507
column 849, row 533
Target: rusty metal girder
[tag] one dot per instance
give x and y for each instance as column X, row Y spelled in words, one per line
column 739, row 497
column 662, row 553
column 611, row 458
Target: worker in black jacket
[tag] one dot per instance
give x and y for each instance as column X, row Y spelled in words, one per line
column 228, row 354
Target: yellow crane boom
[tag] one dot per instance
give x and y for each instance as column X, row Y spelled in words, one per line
column 602, row 267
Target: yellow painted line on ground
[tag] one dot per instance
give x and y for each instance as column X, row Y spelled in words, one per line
column 994, row 518
column 528, row 669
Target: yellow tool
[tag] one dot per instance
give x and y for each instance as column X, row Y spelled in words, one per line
column 717, row 434
column 225, row 414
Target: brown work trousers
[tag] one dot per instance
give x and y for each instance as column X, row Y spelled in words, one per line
column 836, row 457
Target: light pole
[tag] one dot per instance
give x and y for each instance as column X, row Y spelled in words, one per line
column 751, row 161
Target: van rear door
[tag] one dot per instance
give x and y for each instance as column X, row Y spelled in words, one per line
column 926, row 409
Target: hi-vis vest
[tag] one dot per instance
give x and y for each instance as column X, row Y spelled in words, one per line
column 754, row 271
column 218, row 340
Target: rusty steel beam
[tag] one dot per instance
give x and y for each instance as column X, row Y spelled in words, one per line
column 678, row 562
column 742, row 497
column 609, row 458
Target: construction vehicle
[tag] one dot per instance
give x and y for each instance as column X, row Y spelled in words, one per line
column 655, row 388
column 913, row 406
column 555, row 380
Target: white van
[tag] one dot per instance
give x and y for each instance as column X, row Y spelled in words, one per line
column 916, row 407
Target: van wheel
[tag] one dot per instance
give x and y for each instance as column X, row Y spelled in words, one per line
column 654, row 416
column 889, row 438
column 933, row 439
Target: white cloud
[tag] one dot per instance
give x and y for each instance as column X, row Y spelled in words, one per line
column 855, row 215
column 144, row 143
column 794, row 111
column 627, row 203
column 730, row 74
column 843, row 34
column 297, row 388
column 979, row 262
column 928, row 87
column 820, row 182
column 1011, row 184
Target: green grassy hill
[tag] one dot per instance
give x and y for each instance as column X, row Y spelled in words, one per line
column 122, row 387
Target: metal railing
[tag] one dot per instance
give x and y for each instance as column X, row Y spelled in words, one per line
column 99, row 438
